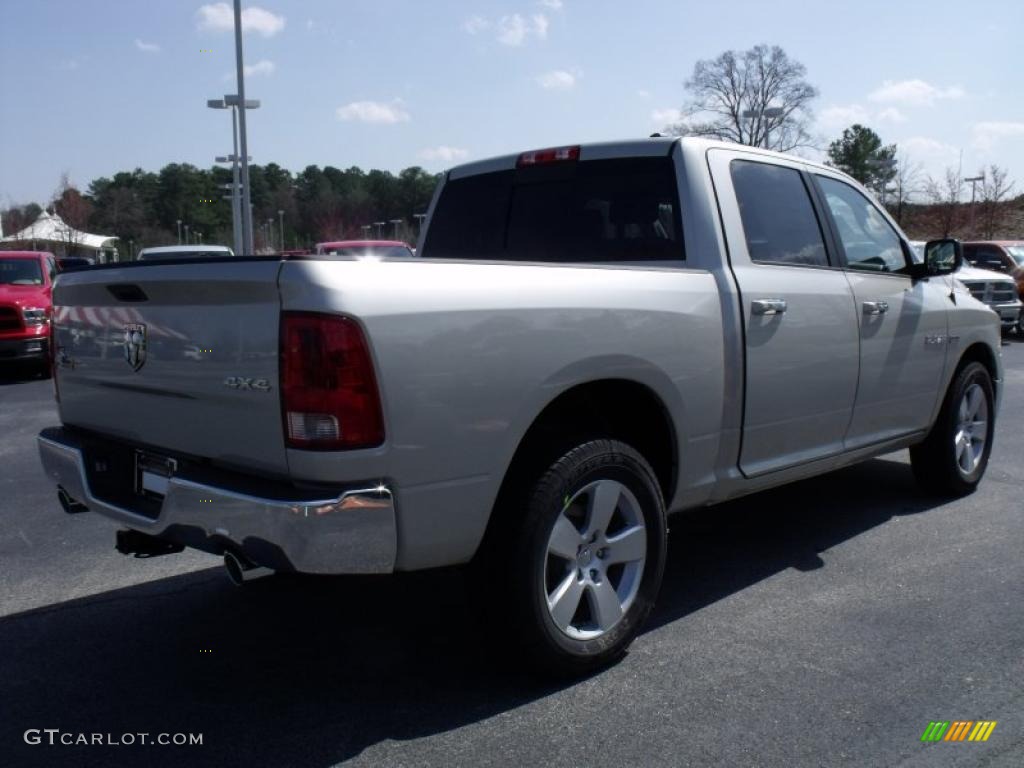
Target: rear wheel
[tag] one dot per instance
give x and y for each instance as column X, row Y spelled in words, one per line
column 582, row 556
column 954, row 456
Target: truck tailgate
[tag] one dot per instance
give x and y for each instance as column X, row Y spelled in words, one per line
column 181, row 357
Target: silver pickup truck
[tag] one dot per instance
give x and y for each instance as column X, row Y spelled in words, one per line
column 594, row 337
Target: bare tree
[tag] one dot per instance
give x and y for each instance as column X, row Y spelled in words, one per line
column 906, row 184
column 945, row 195
column 757, row 97
column 995, row 190
column 74, row 209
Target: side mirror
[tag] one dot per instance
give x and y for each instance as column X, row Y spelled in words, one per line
column 943, row 257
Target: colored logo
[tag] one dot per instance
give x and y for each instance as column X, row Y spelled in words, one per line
column 958, row 730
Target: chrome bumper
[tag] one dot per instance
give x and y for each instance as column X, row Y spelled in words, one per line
column 353, row 532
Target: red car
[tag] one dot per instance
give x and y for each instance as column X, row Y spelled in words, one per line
column 26, row 285
column 365, row 248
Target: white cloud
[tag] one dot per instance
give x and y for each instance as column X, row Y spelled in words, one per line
column 443, row 154
column 842, row 116
column 373, row 112
column 220, row 17
column 554, row 5
column 147, row 47
column 915, row 93
column 475, row 24
column 262, row 67
column 666, row 116
column 512, row 30
column 540, row 26
column 643, row 94
column 892, row 115
column 557, row 80
column 929, row 149
column 515, row 30
column 987, row 134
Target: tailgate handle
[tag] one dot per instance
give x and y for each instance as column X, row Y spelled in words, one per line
column 127, row 292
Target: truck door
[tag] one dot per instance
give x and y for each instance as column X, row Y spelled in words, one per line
column 903, row 322
column 799, row 319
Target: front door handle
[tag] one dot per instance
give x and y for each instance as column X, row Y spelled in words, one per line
column 876, row 307
column 767, row 306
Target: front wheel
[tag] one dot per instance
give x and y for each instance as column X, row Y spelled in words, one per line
column 584, row 559
column 953, row 458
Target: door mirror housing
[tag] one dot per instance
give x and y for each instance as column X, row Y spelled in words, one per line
column 943, row 257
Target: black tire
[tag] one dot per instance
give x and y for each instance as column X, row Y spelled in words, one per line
column 520, row 566
column 935, row 461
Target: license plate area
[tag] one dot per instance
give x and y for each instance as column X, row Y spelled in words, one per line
column 152, row 474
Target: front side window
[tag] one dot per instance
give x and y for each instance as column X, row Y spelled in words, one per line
column 778, row 218
column 588, row 211
column 869, row 241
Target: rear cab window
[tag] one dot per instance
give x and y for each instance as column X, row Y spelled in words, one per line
column 779, row 222
column 610, row 210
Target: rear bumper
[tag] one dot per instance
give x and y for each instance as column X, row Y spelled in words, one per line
column 24, row 348
column 351, row 530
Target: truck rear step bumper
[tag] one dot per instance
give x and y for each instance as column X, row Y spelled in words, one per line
column 352, row 531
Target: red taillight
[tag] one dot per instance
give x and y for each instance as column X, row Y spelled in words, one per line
column 329, row 396
column 545, row 156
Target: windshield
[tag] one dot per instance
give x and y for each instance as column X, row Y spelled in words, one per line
column 1017, row 252
column 392, row 251
column 20, row 272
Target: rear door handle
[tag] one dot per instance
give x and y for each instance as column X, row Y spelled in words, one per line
column 876, row 307
column 767, row 306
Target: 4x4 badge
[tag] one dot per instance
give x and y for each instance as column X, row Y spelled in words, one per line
column 135, row 345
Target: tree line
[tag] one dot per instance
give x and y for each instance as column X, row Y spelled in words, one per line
column 145, row 208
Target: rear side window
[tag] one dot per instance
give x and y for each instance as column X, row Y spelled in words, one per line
column 778, row 219
column 591, row 211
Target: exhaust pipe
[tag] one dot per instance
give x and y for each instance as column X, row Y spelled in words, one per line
column 70, row 506
column 240, row 570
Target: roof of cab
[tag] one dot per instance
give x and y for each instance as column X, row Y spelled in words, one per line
column 654, row 146
column 186, row 248
column 23, row 254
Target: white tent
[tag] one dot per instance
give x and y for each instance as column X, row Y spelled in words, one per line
column 52, row 232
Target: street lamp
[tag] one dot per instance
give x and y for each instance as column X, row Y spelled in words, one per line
column 973, row 181
column 280, row 218
column 240, row 100
column 380, row 228
column 759, row 114
column 237, row 193
column 366, row 231
column 179, row 230
column 396, row 222
column 419, row 223
column 186, row 234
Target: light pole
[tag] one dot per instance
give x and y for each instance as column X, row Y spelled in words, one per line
column 179, row 230
column 280, row 218
column 186, row 234
column 396, row 222
column 232, row 102
column 760, row 114
column 131, row 250
column 973, row 181
column 419, row 223
column 366, row 231
column 380, row 228
column 246, row 215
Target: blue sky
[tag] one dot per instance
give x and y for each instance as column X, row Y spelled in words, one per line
column 92, row 87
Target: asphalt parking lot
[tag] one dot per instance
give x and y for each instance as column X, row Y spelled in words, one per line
column 822, row 624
